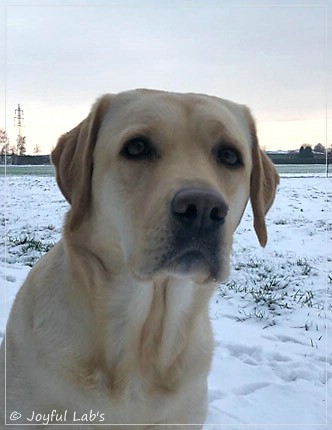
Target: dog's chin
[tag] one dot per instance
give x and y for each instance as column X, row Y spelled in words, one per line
column 193, row 264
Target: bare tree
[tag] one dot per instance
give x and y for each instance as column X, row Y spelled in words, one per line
column 36, row 149
column 21, row 145
column 4, row 143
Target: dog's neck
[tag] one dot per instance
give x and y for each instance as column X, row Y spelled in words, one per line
column 145, row 327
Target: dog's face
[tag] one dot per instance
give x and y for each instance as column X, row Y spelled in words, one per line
column 166, row 177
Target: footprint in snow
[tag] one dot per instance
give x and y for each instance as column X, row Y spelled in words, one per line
column 250, row 361
column 216, row 394
column 279, row 357
column 296, row 374
column 283, row 338
column 246, row 352
column 324, row 359
column 246, row 389
column 268, row 337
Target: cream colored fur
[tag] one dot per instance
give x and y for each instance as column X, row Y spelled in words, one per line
column 97, row 326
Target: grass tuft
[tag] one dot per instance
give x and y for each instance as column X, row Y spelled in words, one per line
column 267, row 292
column 29, row 247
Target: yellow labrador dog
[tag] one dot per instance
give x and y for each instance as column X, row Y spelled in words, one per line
column 111, row 325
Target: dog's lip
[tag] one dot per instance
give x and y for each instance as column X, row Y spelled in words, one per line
column 193, row 262
column 190, row 253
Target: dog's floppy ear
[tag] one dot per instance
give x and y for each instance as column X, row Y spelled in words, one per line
column 73, row 161
column 264, row 181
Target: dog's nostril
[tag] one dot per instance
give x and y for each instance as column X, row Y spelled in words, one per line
column 190, row 212
column 217, row 215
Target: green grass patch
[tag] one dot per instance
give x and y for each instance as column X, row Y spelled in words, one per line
column 267, row 292
column 29, row 243
column 28, row 247
column 47, row 170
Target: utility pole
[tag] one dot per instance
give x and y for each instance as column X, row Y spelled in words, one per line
column 18, row 122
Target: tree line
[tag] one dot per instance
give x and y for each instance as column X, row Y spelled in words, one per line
column 306, row 151
column 19, row 148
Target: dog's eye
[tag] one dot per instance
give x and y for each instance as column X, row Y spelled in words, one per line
column 138, row 148
column 229, row 157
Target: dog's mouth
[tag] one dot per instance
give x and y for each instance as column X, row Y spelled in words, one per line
column 193, row 261
column 188, row 261
column 200, row 257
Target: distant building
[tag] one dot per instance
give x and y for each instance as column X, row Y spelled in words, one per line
column 293, row 157
column 21, row 160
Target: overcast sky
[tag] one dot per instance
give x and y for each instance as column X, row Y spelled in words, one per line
column 268, row 55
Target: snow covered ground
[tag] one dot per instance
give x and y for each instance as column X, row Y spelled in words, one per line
column 271, row 320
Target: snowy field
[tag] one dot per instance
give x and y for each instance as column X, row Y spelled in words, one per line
column 271, row 320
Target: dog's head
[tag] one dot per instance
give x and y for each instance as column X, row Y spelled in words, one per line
column 165, row 177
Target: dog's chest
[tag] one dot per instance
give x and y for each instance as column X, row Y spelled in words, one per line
column 155, row 349
column 137, row 403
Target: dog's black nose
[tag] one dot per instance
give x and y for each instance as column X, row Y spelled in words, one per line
column 199, row 208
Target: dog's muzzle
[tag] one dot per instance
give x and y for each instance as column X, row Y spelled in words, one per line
column 197, row 216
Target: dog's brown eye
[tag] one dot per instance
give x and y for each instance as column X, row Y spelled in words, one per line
column 229, row 156
column 138, row 148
